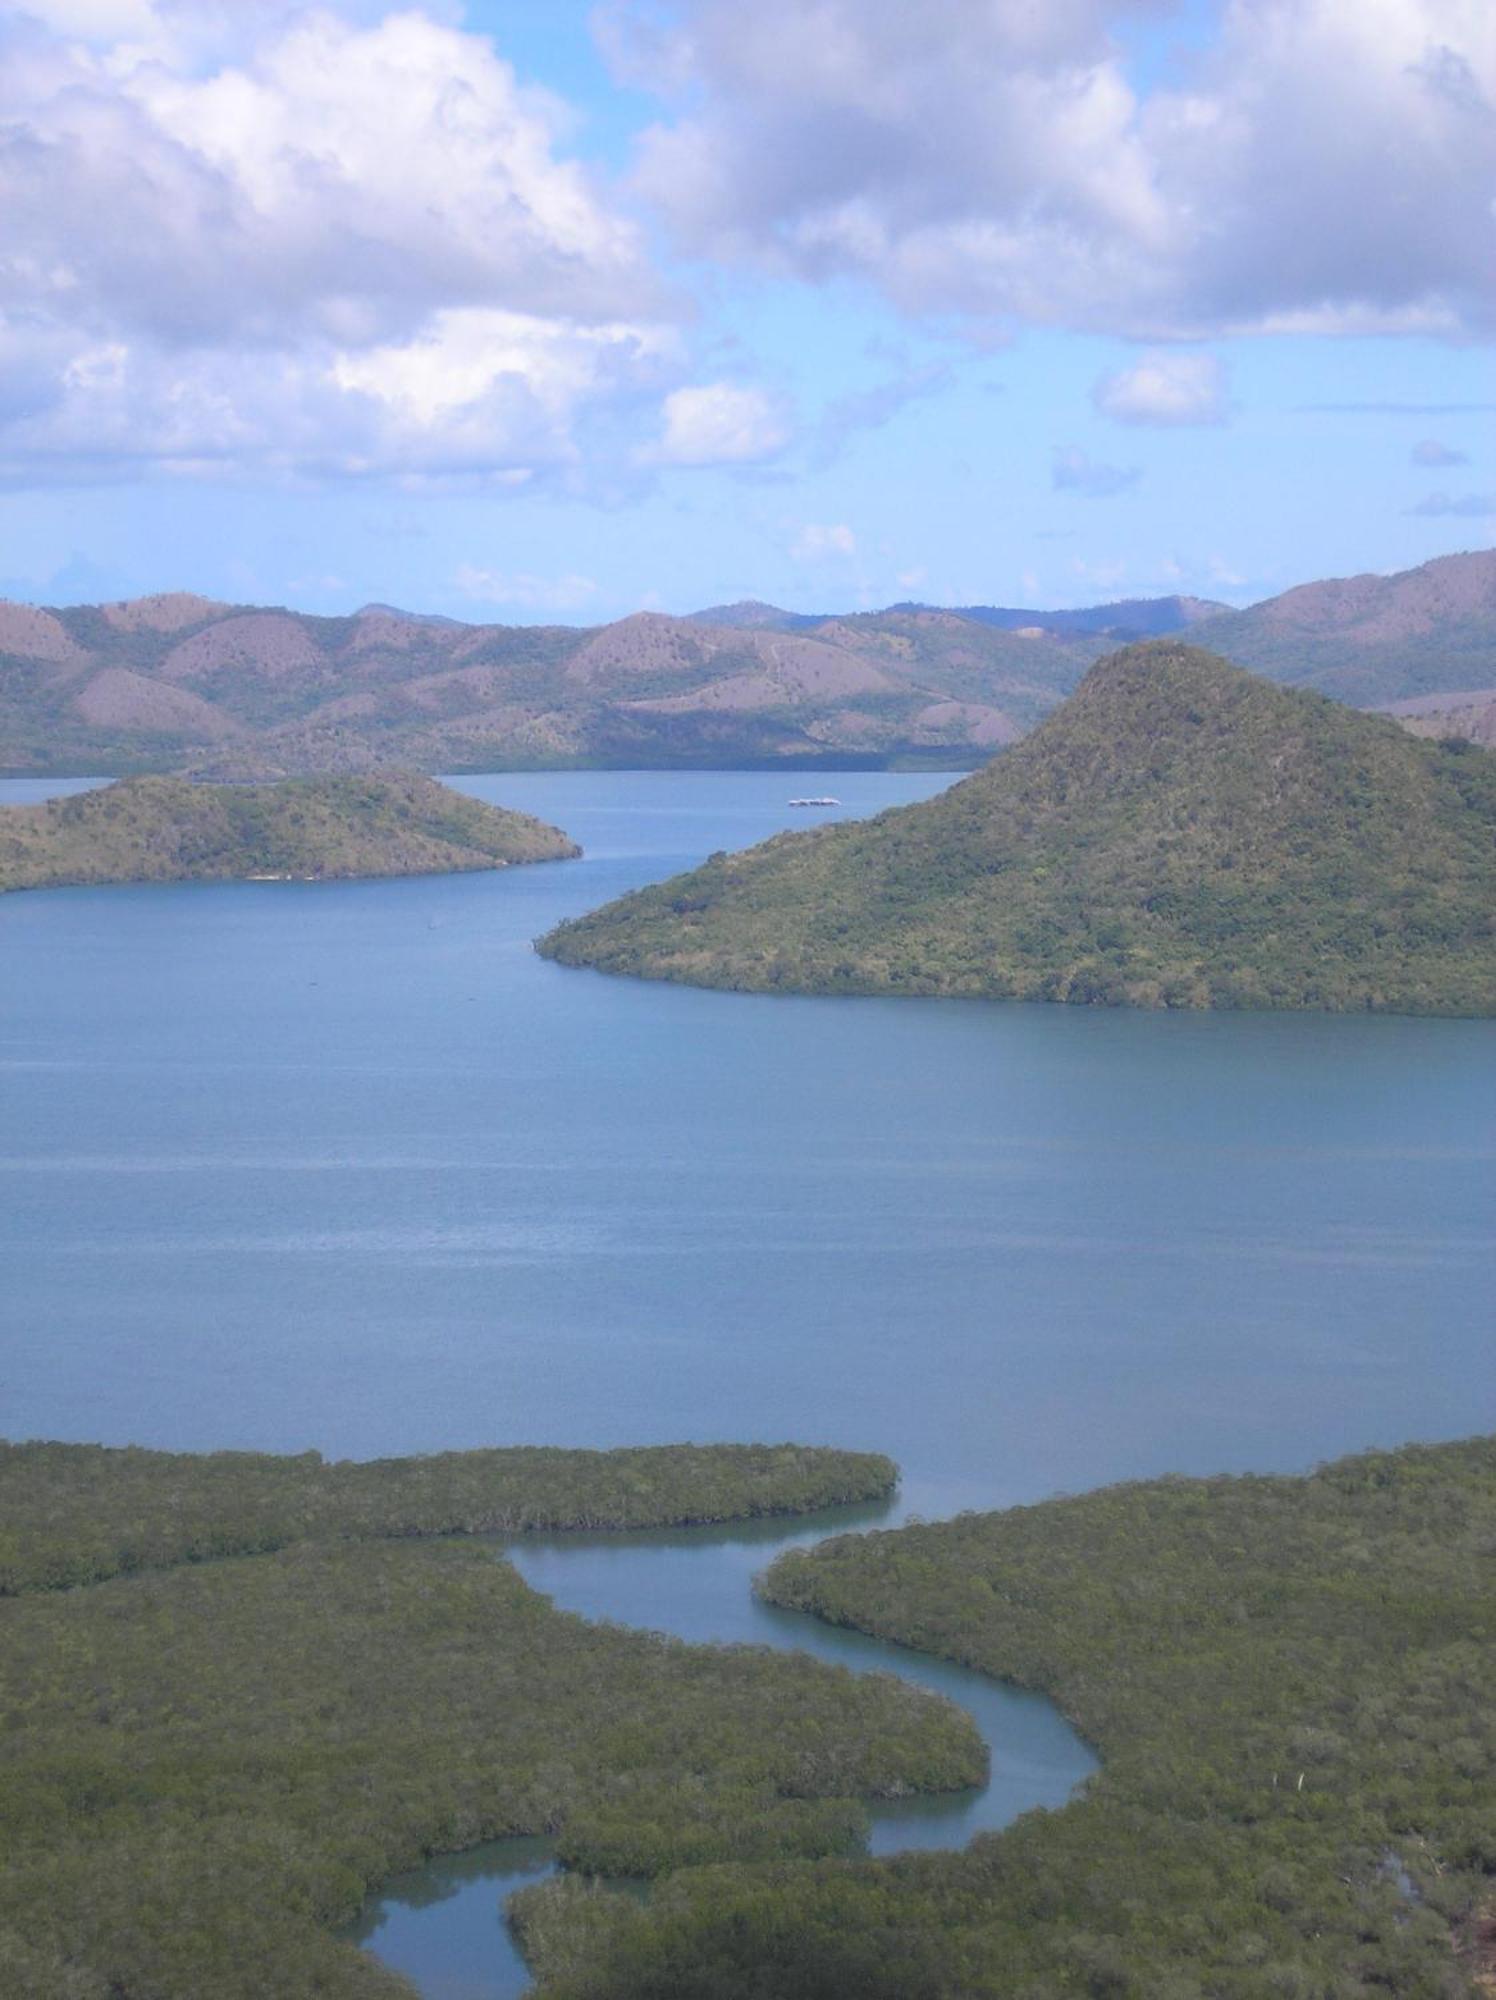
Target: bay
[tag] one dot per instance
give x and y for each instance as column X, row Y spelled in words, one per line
column 347, row 1166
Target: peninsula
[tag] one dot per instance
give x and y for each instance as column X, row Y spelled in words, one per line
column 309, row 829
column 1179, row 833
column 243, row 1690
column 1288, row 1681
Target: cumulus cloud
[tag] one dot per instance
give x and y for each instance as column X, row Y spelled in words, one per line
column 719, row 423
column 353, row 246
column 105, row 20
column 1429, row 451
column 1165, row 388
column 1073, row 472
column 1326, row 167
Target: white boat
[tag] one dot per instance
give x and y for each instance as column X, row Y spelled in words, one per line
column 815, row 802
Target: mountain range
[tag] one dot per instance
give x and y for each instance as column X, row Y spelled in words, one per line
column 1181, row 833
column 179, row 682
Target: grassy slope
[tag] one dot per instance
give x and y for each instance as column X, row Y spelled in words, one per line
column 204, row 1768
column 344, row 705
column 306, row 694
column 1290, row 1683
column 1353, row 669
column 169, row 830
column 1179, row 833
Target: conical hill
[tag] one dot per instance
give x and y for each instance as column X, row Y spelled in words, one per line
column 1180, row 833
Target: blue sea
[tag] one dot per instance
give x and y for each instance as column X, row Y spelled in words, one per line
column 348, row 1166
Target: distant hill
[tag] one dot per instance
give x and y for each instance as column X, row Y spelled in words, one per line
column 1180, row 833
column 1129, row 618
column 183, row 683
column 247, row 692
column 374, row 609
column 1470, row 713
column 751, row 614
column 1374, row 639
column 171, row 830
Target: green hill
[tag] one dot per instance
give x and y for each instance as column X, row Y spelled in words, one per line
column 170, row 830
column 1180, row 833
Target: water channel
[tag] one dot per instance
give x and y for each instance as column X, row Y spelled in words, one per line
column 442, row 1925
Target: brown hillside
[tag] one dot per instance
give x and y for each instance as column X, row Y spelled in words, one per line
column 284, row 692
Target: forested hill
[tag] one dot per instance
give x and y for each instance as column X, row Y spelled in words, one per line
column 170, row 830
column 1179, row 833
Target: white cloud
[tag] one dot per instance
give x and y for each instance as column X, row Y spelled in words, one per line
column 1072, row 471
column 718, row 423
column 817, row 541
column 1326, row 166
column 1165, row 388
column 97, row 20
column 545, row 593
column 497, row 387
column 1430, row 452
column 348, row 248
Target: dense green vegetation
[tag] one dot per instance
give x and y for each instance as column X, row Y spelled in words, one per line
column 170, row 830
column 1180, row 833
column 204, row 1769
column 1290, row 1681
column 76, row 1513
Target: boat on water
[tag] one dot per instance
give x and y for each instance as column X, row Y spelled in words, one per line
column 815, row 802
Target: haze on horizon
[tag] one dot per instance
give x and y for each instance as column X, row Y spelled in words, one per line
column 539, row 310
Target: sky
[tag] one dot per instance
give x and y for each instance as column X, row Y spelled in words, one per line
column 547, row 311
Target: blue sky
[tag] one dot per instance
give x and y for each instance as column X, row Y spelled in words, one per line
column 540, row 312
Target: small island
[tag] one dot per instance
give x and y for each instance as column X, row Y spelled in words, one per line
column 301, row 829
column 1180, row 833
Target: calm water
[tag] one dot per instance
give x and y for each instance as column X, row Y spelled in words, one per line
column 347, row 1166
column 441, row 1924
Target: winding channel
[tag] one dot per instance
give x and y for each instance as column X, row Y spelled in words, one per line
column 443, row 1926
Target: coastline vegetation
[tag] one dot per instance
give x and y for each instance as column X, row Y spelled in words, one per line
column 76, row 1513
column 205, row 1768
column 1180, row 833
column 1290, row 1684
column 147, row 829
